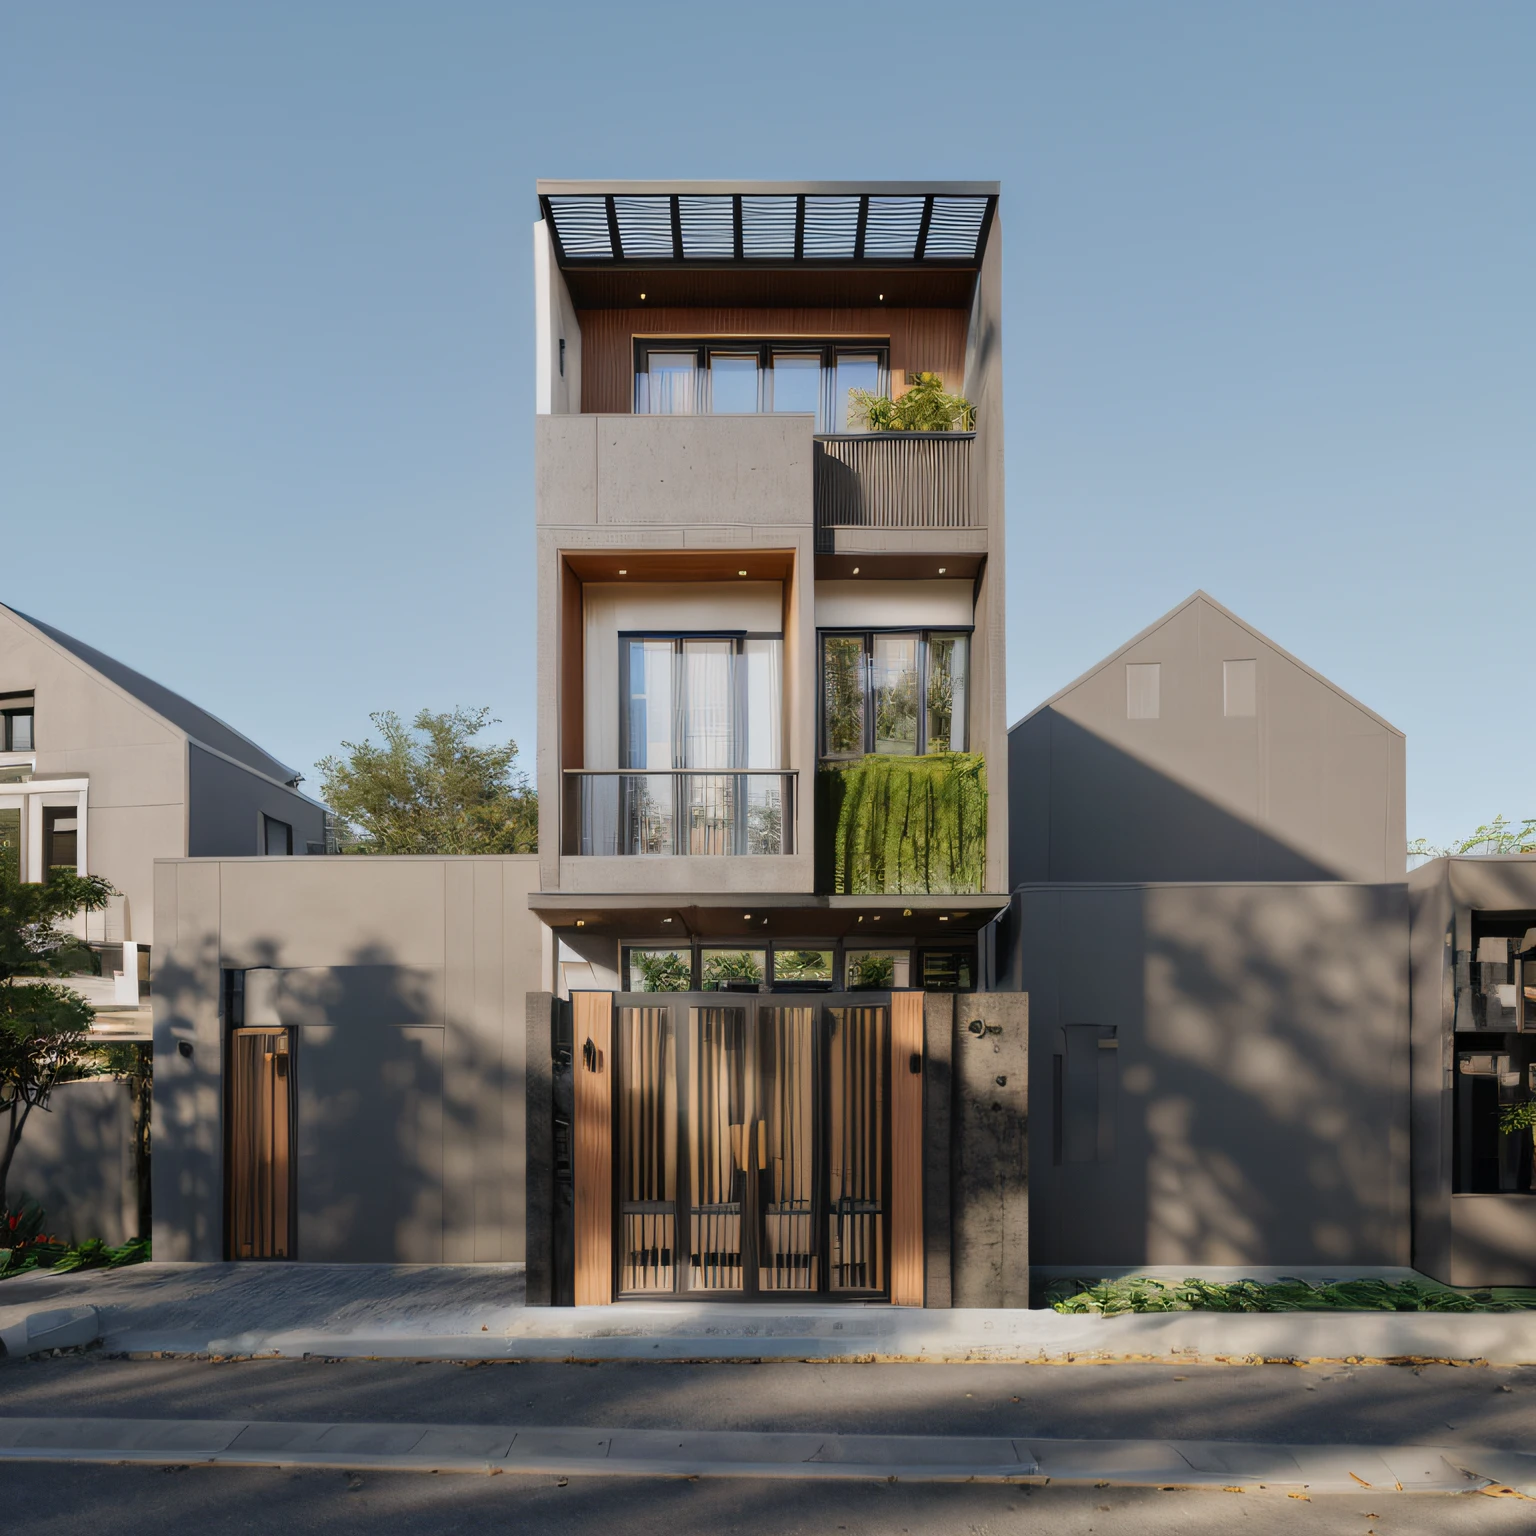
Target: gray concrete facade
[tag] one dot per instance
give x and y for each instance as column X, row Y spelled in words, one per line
column 1220, row 1073
column 405, row 980
column 1202, row 751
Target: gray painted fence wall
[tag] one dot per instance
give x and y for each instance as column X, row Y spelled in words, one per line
column 405, row 979
column 1221, row 1072
column 76, row 1161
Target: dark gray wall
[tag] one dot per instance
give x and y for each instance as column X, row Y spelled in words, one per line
column 1233, row 1072
column 1308, row 786
column 406, row 980
column 1461, row 1239
column 226, row 803
column 76, row 1161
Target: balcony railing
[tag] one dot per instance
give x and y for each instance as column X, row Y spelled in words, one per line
column 679, row 811
column 894, row 480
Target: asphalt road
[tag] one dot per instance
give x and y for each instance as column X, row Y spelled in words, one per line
column 1334, row 1404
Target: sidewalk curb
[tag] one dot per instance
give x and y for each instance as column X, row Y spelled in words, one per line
column 890, row 1335
column 61, row 1328
column 586, row 1452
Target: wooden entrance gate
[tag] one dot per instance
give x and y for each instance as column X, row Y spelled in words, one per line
column 746, row 1146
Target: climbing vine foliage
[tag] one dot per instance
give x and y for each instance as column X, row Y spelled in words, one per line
column 903, row 825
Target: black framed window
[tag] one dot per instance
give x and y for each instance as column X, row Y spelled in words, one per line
column 735, row 378
column 16, row 734
column 854, row 964
column 902, row 692
column 61, row 840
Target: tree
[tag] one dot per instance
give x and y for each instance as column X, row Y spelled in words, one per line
column 43, row 1025
column 429, row 788
column 1496, row 836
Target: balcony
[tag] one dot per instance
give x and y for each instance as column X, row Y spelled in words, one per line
column 678, row 812
column 893, row 480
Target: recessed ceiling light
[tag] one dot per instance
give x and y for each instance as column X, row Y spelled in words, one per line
column 746, row 917
column 855, row 570
column 875, row 918
column 642, row 298
column 882, row 298
column 906, row 912
column 581, row 922
column 741, row 573
column 622, row 571
column 666, row 919
column 941, row 570
column 943, row 918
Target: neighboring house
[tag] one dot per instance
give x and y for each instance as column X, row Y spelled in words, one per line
column 1202, row 751
column 1211, row 923
column 103, row 771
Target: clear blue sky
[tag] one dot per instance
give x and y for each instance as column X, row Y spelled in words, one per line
column 266, row 326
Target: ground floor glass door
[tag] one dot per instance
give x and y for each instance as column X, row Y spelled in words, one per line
column 753, row 1138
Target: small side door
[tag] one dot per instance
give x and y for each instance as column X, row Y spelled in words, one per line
column 261, row 1202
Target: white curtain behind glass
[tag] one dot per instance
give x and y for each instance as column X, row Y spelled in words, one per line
column 764, row 661
column 708, row 700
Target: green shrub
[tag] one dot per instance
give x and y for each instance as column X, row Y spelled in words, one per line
column 1140, row 1293
column 925, row 407
column 903, row 825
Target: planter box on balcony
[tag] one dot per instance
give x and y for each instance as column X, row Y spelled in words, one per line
column 902, row 825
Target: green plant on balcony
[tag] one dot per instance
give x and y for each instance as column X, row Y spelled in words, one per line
column 896, row 825
column 926, row 407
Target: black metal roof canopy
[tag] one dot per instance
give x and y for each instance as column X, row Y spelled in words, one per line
column 769, row 224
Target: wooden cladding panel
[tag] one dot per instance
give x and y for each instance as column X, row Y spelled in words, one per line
column 920, row 339
column 592, row 1146
column 907, row 1149
column 261, row 1203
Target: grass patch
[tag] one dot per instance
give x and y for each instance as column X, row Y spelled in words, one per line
column 1135, row 1293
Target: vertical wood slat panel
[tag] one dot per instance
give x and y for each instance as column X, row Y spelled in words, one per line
column 592, row 1151
column 920, row 339
column 906, row 1150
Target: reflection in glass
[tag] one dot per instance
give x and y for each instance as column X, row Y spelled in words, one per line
column 723, row 970
column 668, row 387
column 854, row 371
column 946, row 693
column 660, row 970
column 801, row 965
column 732, row 384
column 895, row 690
column 877, row 970
column 842, row 681
column 797, row 383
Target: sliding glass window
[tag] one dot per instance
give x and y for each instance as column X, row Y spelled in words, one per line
column 700, row 747
column 897, row 692
column 727, row 378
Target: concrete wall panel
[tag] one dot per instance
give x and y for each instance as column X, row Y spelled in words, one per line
column 1253, row 1107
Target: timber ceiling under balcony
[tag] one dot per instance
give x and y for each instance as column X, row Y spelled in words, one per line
column 768, row 243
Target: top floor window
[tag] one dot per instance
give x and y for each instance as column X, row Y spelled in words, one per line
column 738, row 378
column 16, row 723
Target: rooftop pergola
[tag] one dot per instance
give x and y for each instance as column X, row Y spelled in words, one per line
column 884, row 224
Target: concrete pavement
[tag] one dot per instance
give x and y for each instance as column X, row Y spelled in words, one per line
column 580, row 1451
column 457, row 1312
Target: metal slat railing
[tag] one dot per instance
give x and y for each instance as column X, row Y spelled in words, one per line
column 895, row 480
